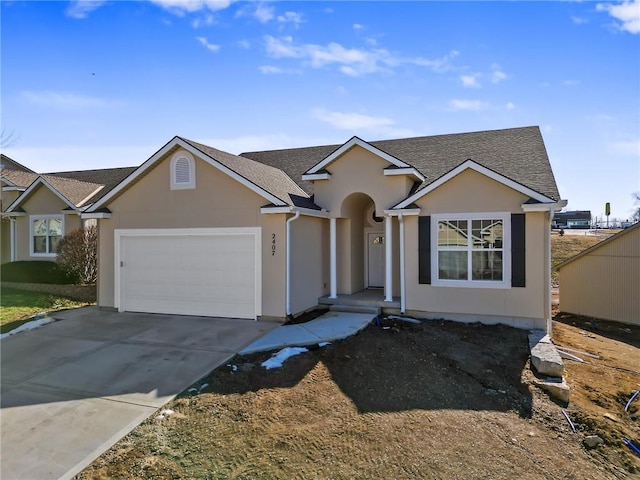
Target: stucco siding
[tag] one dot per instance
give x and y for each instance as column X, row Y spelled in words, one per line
column 217, row 201
column 359, row 170
column 471, row 192
column 309, row 254
column 605, row 282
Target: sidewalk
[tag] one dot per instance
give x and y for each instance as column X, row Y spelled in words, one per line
column 327, row 328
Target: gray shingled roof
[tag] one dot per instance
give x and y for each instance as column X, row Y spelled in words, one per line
column 19, row 178
column 10, row 164
column 109, row 177
column 516, row 153
column 273, row 180
column 77, row 192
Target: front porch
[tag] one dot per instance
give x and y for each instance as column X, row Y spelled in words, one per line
column 370, row 297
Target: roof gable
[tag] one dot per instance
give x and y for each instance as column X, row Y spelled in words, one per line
column 471, row 165
column 270, row 183
column 344, row 148
column 72, row 192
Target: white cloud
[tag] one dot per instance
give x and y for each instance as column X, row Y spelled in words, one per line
column 66, row 100
column 470, row 81
column 468, row 105
column 350, row 61
column 358, row 122
column 82, row 8
column 351, row 121
column 180, row 7
column 291, row 17
column 510, row 106
column 263, row 13
column 244, row 44
column 270, row 70
column 205, row 21
column 209, row 46
column 73, row 157
column 570, row 83
column 627, row 13
column 628, row 147
column 497, row 75
column 579, row 20
column 357, row 26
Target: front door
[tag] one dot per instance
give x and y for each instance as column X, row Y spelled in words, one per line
column 375, row 259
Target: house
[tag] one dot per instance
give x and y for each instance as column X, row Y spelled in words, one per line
column 39, row 209
column 448, row 226
column 604, row 281
column 572, row 219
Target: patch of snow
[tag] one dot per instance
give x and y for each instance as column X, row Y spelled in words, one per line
column 279, row 358
column 234, row 368
column 192, row 390
column 324, row 344
column 202, row 387
column 167, row 412
column 41, row 320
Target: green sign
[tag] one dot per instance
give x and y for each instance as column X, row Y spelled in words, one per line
column 607, row 209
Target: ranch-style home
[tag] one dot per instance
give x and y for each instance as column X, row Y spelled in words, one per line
column 39, row 209
column 448, row 226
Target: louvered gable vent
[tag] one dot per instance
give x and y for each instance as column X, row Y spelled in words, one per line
column 183, row 174
column 183, row 171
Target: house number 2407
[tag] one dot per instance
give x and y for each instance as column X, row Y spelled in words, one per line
column 273, row 244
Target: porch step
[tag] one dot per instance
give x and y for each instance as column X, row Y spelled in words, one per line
column 356, row 309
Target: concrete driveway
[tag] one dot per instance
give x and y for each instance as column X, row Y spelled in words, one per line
column 73, row 388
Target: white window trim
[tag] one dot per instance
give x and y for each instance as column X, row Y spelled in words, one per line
column 192, row 170
column 32, row 253
column 506, row 249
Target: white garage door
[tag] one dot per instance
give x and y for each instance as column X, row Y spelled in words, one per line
column 208, row 272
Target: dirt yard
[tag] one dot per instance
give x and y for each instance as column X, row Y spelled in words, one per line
column 438, row 400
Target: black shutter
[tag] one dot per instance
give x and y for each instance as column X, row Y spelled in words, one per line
column 424, row 250
column 518, row 271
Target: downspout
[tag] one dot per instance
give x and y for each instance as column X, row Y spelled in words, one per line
column 288, row 278
column 548, row 271
column 403, row 302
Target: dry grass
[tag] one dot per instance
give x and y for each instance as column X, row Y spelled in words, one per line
column 567, row 246
column 437, row 400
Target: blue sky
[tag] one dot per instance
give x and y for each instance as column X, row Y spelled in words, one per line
column 105, row 84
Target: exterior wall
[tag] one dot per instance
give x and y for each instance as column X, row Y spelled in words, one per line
column 5, row 241
column 41, row 202
column 6, row 199
column 309, row 262
column 605, row 282
column 471, row 192
column 217, row 201
column 359, row 170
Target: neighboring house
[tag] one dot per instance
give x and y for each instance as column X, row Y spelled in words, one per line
column 572, row 219
column 604, row 280
column 39, row 209
column 448, row 226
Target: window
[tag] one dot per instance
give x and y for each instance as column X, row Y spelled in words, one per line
column 46, row 232
column 471, row 250
column 183, row 171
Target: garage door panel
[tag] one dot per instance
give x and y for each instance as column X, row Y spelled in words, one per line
column 207, row 274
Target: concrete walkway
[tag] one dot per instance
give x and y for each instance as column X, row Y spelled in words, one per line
column 327, row 328
column 73, row 388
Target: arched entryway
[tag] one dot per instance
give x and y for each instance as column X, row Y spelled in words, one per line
column 361, row 246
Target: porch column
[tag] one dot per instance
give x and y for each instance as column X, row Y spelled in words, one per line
column 333, row 257
column 12, row 235
column 388, row 262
